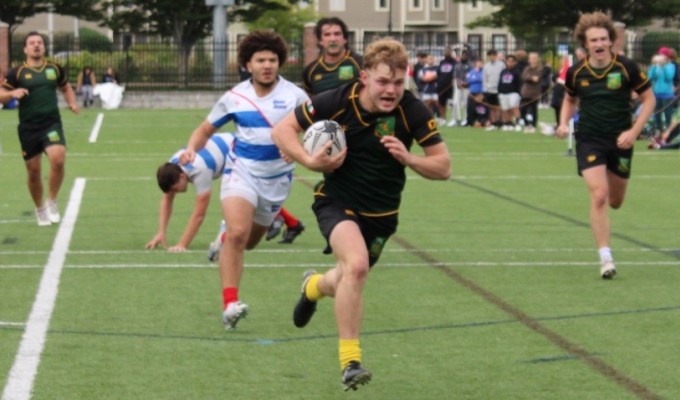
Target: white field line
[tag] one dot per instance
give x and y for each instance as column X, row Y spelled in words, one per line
column 21, row 376
column 95, row 129
column 386, row 251
column 515, row 264
column 7, row 323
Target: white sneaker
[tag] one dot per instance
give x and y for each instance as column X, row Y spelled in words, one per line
column 452, row 123
column 234, row 312
column 41, row 214
column 53, row 211
column 491, row 128
column 216, row 245
column 441, row 121
column 607, row 270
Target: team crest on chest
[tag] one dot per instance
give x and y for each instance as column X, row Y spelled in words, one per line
column 614, row 80
column 50, row 74
column 346, row 72
column 384, row 127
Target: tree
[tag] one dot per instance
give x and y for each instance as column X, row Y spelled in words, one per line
column 529, row 19
column 14, row 12
column 288, row 19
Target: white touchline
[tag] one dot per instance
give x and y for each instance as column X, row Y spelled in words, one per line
column 20, row 381
column 97, row 126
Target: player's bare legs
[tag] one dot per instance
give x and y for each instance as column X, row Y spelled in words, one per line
column 346, row 281
column 57, row 155
column 34, row 180
column 241, row 235
column 606, row 189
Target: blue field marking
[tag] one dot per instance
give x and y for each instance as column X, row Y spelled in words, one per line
column 229, row 337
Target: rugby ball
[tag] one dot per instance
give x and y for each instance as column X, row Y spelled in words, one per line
column 322, row 132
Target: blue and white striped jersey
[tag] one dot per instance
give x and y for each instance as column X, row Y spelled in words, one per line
column 254, row 118
column 215, row 159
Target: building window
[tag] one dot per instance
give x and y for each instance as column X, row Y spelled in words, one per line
column 437, row 5
column 336, row 5
column 475, row 5
column 499, row 42
column 475, row 43
column 415, row 5
column 382, row 5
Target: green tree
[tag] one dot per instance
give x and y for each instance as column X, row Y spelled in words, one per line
column 14, row 12
column 289, row 19
column 530, row 19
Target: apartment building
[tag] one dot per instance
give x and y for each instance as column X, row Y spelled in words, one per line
column 430, row 24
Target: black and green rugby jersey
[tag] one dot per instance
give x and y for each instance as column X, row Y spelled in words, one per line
column 318, row 76
column 605, row 95
column 370, row 180
column 40, row 105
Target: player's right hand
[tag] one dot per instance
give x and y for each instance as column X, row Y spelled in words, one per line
column 187, row 156
column 323, row 162
column 562, row 131
column 157, row 240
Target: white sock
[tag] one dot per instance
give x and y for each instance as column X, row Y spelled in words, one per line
column 605, row 254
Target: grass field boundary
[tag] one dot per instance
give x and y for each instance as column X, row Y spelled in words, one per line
column 20, row 380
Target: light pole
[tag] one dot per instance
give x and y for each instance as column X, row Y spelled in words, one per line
column 389, row 18
column 219, row 39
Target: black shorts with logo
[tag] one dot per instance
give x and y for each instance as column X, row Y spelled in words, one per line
column 375, row 230
column 594, row 150
column 36, row 138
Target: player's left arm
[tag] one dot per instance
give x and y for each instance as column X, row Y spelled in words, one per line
column 434, row 164
column 627, row 139
column 195, row 221
column 70, row 97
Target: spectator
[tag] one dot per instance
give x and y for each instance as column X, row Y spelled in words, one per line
column 461, row 90
column 661, row 74
column 428, row 77
column 491, row 77
column 85, row 85
column 477, row 111
column 421, row 58
column 509, row 88
column 110, row 76
column 531, row 92
column 445, row 82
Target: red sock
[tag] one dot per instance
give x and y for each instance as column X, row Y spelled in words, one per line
column 229, row 295
column 288, row 218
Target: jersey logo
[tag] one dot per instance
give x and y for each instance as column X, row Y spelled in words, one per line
column 592, row 158
column 377, row 247
column 614, row 80
column 384, row 127
column 28, row 76
column 346, row 72
column 584, row 83
column 310, row 107
column 50, row 74
column 53, row 136
column 318, row 77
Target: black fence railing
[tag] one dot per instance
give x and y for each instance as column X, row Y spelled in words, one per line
column 158, row 64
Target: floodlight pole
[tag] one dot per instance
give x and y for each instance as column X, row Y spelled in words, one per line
column 219, row 40
column 389, row 18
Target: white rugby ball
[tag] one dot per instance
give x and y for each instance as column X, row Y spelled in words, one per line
column 322, row 132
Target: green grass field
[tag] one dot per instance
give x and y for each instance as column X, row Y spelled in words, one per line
column 489, row 289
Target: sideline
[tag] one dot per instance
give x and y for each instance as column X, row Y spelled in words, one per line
column 95, row 129
column 21, row 376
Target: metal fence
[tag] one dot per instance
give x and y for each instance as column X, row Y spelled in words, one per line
column 158, row 64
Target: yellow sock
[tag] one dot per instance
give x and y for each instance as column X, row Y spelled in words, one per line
column 312, row 288
column 349, row 351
